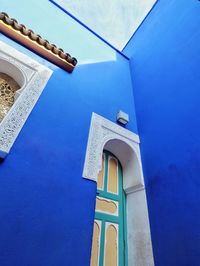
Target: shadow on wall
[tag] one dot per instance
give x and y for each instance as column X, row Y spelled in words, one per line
column 132, row 170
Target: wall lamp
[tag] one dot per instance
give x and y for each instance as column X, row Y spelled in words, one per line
column 122, row 117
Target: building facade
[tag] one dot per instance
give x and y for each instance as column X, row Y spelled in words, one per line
column 56, row 126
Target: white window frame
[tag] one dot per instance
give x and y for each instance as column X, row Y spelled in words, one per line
column 32, row 77
column 124, row 144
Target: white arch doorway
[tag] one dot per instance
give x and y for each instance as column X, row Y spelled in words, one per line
column 124, row 144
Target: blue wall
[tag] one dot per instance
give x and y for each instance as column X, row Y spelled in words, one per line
column 47, row 208
column 165, row 63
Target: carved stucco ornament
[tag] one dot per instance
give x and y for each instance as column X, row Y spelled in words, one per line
column 101, row 132
column 33, row 78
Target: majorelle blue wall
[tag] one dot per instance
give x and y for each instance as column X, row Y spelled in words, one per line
column 165, row 63
column 46, row 207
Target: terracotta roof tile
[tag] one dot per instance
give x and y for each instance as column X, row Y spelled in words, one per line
column 37, row 43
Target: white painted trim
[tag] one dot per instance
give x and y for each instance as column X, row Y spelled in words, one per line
column 104, row 133
column 32, row 77
column 124, row 144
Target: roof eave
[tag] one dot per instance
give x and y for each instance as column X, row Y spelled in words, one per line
column 36, row 43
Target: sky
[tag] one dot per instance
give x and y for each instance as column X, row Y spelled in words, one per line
column 63, row 31
column 114, row 20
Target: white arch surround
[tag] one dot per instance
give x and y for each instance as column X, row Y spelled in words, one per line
column 12, row 71
column 32, row 78
column 124, row 144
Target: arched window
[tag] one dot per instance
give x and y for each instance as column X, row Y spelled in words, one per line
column 8, row 88
column 109, row 234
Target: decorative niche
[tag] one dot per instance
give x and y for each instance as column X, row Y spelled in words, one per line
column 22, row 80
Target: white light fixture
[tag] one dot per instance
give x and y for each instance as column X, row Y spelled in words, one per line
column 122, row 117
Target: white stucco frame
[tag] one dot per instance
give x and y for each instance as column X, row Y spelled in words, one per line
column 124, row 144
column 32, row 78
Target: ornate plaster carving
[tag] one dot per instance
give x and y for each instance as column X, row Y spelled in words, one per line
column 101, row 131
column 33, row 81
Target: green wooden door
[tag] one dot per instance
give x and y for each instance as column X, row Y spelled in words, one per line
column 109, row 236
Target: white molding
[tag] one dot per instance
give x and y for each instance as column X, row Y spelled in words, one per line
column 138, row 230
column 124, row 144
column 104, row 133
column 34, row 77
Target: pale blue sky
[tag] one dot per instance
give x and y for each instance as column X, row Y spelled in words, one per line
column 64, row 31
column 113, row 20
